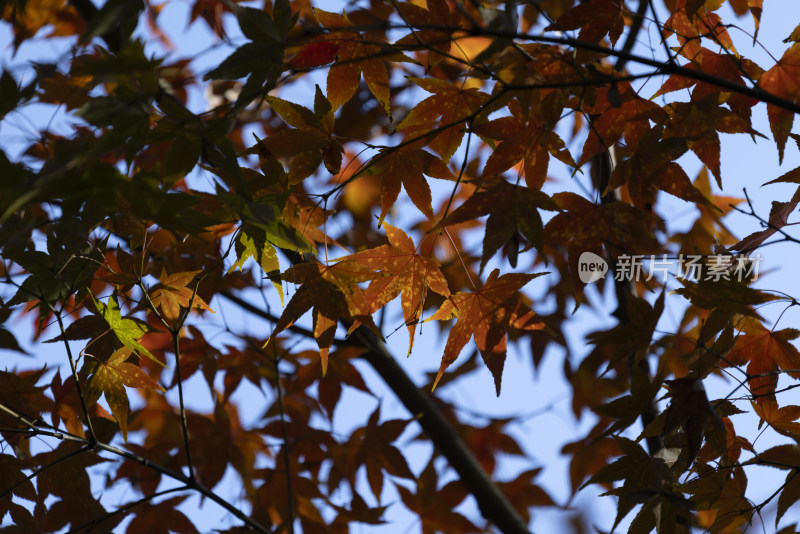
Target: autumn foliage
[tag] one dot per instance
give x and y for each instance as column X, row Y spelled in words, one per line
column 443, row 166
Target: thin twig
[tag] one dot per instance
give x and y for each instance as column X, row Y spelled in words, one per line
column 74, row 370
column 285, row 437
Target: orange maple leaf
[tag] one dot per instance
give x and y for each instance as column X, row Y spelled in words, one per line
column 783, row 80
column 765, row 352
column 405, row 167
column 173, row 294
column 405, row 271
column 689, row 23
column 782, row 419
column 109, row 378
column 355, row 56
column 448, row 105
column 487, row 314
column 426, row 37
column 523, row 139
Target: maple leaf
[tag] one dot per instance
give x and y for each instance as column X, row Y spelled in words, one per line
column 690, row 410
column 781, row 418
column 333, row 293
column 631, row 118
column 427, row 37
column 256, row 247
column 778, row 218
column 436, row 505
column 783, row 80
column 596, row 19
column 510, row 208
column 404, row 167
column 314, row 54
column 690, row 24
column 129, row 331
column 721, row 65
column 355, row 56
column 310, row 141
column 173, row 294
column 765, row 352
column 446, row 108
column 699, row 124
column 524, row 139
column 653, row 168
column 162, row 518
column 372, row 446
column 109, row 378
column 404, row 271
column 582, row 224
column 307, row 219
column 486, row 315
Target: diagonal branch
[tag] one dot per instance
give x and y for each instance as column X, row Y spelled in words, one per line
column 493, row 504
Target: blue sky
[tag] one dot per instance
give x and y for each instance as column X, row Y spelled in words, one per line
column 551, row 424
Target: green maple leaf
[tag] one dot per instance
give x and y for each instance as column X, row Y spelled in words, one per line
column 129, row 331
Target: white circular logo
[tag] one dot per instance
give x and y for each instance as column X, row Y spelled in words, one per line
column 591, row 267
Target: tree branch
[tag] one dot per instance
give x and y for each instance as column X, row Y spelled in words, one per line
column 623, row 289
column 492, row 503
column 190, row 483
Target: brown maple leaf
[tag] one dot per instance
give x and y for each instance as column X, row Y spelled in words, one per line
column 617, row 225
column 486, row 315
column 405, row 167
column 405, row 271
column 333, row 293
column 778, row 218
column 427, row 37
column 510, row 208
column 436, row 505
column 310, row 140
column 596, row 19
column 700, row 124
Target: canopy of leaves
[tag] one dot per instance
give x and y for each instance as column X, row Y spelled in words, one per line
column 250, row 253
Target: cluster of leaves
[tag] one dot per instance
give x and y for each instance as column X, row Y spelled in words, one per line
column 110, row 244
